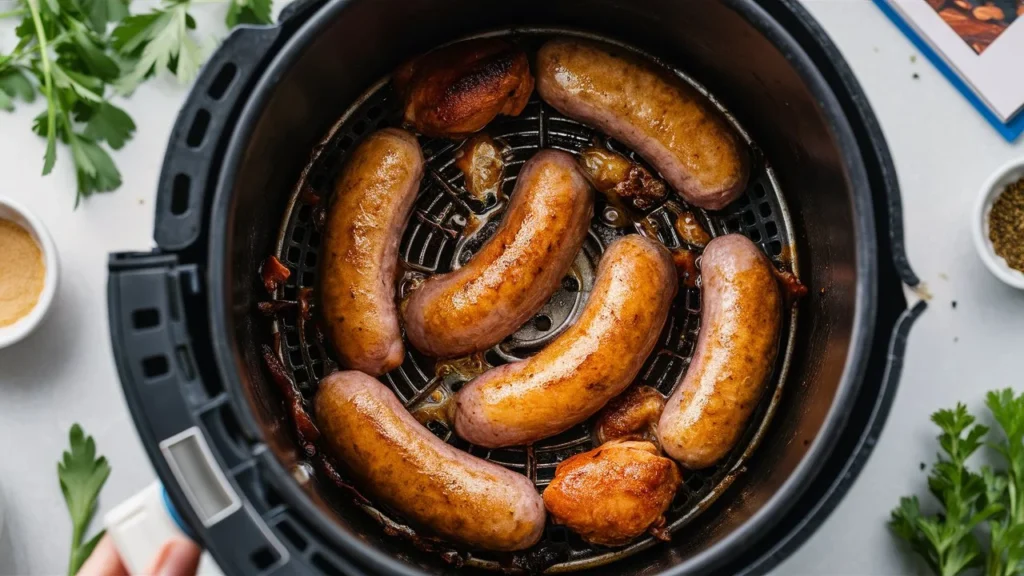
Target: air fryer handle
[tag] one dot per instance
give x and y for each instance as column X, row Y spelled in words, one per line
column 203, row 126
column 184, row 417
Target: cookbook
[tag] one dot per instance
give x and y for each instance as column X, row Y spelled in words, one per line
column 978, row 45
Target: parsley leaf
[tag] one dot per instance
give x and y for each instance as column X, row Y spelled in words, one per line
column 64, row 54
column 982, row 518
column 81, row 476
column 14, row 83
column 96, row 171
column 68, row 53
column 249, row 12
column 111, row 124
column 1006, row 556
column 100, row 12
column 158, row 40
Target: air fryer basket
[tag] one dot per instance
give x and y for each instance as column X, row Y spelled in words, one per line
column 268, row 99
column 448, row 225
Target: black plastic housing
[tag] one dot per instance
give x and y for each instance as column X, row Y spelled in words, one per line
column 226, row 177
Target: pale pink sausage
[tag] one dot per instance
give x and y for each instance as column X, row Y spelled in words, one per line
column 665, row 120
column 739, row 335
column 515, row 272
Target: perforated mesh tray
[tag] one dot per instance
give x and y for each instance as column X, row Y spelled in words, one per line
column 434, row 243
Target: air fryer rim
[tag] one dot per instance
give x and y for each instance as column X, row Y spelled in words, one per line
column 862, row 332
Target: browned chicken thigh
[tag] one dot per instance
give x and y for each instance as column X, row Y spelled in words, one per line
column 613, row 493
column 456, row 90
column 631, row 416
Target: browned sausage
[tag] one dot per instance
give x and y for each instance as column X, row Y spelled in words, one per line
column 655, row 113
column 613, row 493
column 516, row 270
column 392, row 456
column 739, row 335
column 372, row 201
column 587, row 365
column 456, row 90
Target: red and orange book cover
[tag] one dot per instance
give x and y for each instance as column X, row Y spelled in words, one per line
column 978, row 45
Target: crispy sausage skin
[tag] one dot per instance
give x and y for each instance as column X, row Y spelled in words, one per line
column 390, row 454
column 456, row 90
column 372, row 201
column 739, row 335
column 613, row 493
column 665, row 120
column 516, row 270
column 587, row 365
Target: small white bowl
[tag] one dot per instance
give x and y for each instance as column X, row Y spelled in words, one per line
column 1004, row 176
column 14, row 212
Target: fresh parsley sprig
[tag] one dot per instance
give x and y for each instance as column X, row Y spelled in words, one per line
column 982, row 518
column 1006, row 554
column 62, row 54
column 82, row 475
column 78, row 53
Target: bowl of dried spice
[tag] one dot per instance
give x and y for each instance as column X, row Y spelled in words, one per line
column 28, row 272
column 999, row 224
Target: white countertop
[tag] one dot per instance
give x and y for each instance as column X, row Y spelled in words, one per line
column 943, row 150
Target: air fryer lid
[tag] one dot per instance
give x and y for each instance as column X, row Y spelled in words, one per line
column 740, row 53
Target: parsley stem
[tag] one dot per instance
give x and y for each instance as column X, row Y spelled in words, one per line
column 12, row 13
column 51, row 111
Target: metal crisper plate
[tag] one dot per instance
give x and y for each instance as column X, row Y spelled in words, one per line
column 433, row 242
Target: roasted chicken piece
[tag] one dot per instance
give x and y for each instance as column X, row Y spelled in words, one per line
column 690, row 229
column 621, row 179
column 632, row 415
column 613, row 493
column 456, row 90
column 481, row 161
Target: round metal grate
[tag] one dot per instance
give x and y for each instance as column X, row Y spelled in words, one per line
column 440, row 236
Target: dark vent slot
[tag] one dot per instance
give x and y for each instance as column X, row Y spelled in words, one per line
column 198, row 129
column 145, row 318
column 185, row 363
column 263, row 558
column 223, row 81
column 321, row 563
column 155, row 366
column 223, row 430
column 180, row 194
column 292, row 535
column 273, row 498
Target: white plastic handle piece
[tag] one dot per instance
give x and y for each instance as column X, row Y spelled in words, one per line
column 140, row 526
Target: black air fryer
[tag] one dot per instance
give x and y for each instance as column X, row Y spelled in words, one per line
column 266, row 127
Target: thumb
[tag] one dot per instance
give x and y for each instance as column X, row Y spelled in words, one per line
column 177, row 557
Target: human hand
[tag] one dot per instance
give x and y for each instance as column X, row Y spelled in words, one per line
column 177, row 557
